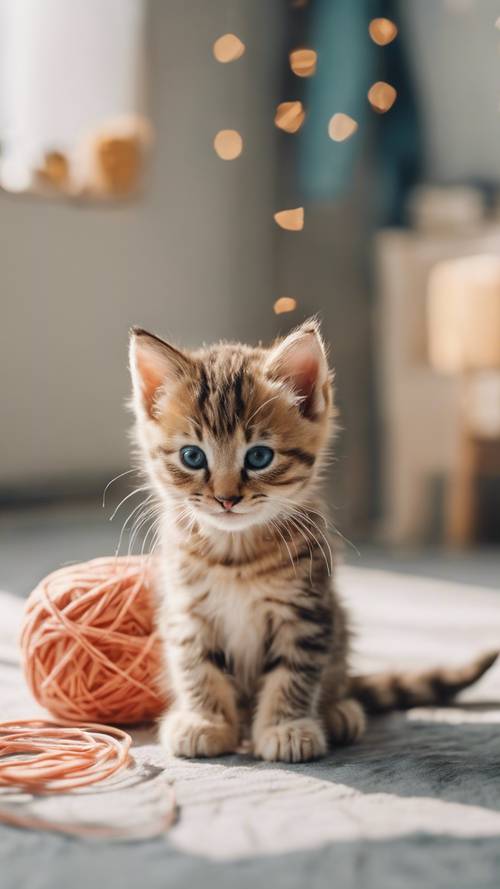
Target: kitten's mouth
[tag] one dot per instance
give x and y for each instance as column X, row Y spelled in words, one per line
column 228, row 514
column 226, row 519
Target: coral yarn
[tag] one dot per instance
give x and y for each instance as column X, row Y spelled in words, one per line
column 90, row 651
column 58, row 758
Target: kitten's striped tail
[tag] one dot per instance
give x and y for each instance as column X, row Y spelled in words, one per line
column 382, row 692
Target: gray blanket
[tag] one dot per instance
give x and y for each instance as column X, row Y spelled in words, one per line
column 416, row 803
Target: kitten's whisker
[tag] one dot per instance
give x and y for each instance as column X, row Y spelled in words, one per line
column 307, row 530
column 291, row 536
column 327, row 556
column 334, row 528
column 152, row 528
column 127, row 472
column 308, row 543
column 146, row 516
column 307, row 508
column 127, row 520
column 156, row 536
column 186, row 512
column 132, row 493
column 134, row 530
column 144, row 539
column 148, row 510
column 125, row 523
column 190, row 527
column 328, row 524
column 346, row 540
column 304, row 513
column 275, row 526
column 192, row 516
column 307, row 517
column 300, row 517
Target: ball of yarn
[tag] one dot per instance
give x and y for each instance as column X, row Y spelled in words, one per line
column 90, row 651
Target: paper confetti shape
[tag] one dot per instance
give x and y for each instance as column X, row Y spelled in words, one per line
column 228, row 48
column 291, row 220
column 285, row 304
column 289, row 116
column 228, row 144
column 382, row 31
column 382, row 96
column 341, row 127
column 303, row 62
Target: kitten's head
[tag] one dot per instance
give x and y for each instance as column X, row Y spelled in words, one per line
column 234, row 434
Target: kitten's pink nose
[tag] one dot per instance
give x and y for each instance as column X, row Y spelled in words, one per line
column 226, row 502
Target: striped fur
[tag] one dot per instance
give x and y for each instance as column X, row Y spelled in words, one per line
column 381, row 693
column 256, row 640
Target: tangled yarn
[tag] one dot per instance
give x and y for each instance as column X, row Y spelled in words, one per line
column 45, row 757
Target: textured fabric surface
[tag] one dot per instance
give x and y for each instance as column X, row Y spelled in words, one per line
column 416, row 803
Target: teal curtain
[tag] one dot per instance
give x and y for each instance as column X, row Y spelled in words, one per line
column 348, row 63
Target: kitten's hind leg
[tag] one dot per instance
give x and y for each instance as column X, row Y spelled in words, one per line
column 345, row 721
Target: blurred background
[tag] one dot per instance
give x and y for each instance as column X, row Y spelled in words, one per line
column 117, row 208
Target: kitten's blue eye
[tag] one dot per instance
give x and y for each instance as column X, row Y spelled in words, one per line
column 258, row 457
column 193, row 457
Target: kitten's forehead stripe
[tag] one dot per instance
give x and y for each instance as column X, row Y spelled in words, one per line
column 223, row 390
column 203, row 391
column 239, row 403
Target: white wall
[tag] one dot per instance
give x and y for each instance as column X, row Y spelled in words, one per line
column 455, row 50
column 193, row 260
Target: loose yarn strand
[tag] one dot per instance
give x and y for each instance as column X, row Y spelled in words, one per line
column 58, row 757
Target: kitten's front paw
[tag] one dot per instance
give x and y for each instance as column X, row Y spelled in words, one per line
column 183, row 733
column 294, row 741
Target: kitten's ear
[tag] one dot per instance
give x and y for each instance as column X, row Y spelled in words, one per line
column 300, row 361
column 153, row 365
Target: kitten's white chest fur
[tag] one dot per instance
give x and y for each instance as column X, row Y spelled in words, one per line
column 237, row 613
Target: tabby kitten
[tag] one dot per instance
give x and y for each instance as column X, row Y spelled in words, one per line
column 233, row 439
